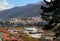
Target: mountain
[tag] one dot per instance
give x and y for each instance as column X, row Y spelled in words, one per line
column 29, row 10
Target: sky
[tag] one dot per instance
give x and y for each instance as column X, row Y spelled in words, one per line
column 7, row 4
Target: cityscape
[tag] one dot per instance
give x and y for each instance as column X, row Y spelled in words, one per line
column 30, row 20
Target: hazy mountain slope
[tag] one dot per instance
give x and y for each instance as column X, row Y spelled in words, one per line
column 28, row 10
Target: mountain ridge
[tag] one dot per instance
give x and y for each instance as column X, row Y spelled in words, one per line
column 29, row 10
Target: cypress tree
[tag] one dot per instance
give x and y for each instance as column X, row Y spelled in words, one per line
column 51, row 14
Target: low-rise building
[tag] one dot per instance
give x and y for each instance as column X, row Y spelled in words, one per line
column 34, row 32
column 13, row 31
column 30, row 29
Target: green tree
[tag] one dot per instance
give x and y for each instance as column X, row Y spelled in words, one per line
column 51, row 14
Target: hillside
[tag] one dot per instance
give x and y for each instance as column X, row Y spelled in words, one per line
column 29, row 10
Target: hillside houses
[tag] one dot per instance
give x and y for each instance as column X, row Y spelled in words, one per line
column 11, row 34
column 18, row 28
column 33, row 29
column 30, row 29
column 27, row 20
column 16, row 22
column 34, row 32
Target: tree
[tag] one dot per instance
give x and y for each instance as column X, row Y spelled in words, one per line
column 51, row 14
